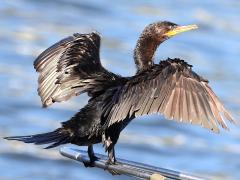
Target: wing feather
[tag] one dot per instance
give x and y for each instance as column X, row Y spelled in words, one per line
column 70, row 67
column 174, row 90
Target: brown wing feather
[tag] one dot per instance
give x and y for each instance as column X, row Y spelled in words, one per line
column 174, row 90
column 70, row 67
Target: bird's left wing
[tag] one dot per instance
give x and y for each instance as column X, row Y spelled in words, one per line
column 172, row 89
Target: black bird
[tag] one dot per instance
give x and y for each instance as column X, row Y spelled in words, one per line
column 72, row 66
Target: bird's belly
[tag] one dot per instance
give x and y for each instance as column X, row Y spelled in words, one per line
column 86, row 141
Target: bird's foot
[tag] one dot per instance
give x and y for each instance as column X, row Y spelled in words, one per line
column 91, row 162
column 110, row 162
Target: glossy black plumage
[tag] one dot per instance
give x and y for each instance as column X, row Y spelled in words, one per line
column 72, row 66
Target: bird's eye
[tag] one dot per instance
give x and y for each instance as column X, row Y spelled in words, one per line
column 174, row 26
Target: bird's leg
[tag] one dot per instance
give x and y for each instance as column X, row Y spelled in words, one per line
column 111, row 155
column 91, row 156
column 112, row 159
column 109, row 147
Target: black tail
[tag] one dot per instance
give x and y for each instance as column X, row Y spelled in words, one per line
column 54, row 138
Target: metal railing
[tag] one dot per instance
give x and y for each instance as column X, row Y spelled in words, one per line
column 129, row 168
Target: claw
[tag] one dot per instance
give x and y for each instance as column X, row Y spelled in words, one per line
column 88, row 164
column 91, row 162
column 113, row 172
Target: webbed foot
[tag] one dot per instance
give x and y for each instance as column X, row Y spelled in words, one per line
column 110, row 162
column 91, row 162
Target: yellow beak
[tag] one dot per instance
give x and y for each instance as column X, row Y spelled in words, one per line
column 180, row 29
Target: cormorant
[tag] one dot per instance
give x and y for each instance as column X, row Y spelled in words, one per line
column 72, row 66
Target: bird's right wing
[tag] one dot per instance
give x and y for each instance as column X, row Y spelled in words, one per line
column 70, row 67
column 171, row 89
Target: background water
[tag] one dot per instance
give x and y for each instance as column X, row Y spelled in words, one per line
column 28, row 27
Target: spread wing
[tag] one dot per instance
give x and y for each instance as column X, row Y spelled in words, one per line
column 70, row 67
column 172, row 89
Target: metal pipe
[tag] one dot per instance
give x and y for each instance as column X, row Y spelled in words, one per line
column 129, row 168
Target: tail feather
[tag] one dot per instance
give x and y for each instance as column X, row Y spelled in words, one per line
column 63, row 141
column 54, row 138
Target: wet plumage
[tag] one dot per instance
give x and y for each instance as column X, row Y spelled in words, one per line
column 171, row 88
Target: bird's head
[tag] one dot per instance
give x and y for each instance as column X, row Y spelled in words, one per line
column 152, row 36
column 164, row 30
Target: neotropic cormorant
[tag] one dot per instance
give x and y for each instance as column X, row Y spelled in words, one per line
column 72, row 66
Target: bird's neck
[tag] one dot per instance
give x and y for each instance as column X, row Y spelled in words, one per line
column 144, row 52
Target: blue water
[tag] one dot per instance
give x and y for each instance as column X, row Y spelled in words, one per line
column 28, row 27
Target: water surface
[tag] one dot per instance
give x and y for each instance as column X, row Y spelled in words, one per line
column 28, row 27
